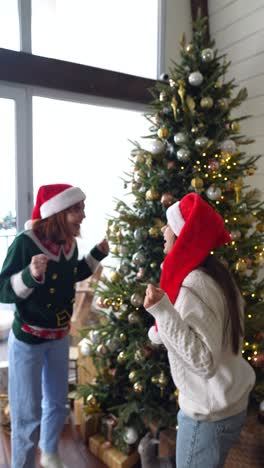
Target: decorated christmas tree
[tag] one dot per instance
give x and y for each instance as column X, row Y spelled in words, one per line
column 195, row 144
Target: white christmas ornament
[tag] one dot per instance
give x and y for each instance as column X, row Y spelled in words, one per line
column 94, row 336
column 85, row 348
column 195, row 78
column 183, row 154
column 156, row 147
column 201, row 142
column 207, row 55
column 213, row 193
column 228, row 146
column 130, row 435
column 179, row 138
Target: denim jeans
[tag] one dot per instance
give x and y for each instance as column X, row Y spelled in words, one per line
column 204, row 444
column 38, row 387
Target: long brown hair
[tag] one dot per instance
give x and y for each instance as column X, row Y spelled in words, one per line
column 216, row 270
column 54, row 228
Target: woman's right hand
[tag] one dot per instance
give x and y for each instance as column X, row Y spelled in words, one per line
column 38, row 265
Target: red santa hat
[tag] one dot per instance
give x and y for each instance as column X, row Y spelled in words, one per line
column 52, row 199
column 199, row 230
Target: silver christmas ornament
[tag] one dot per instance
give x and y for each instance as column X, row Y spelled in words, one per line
column 130, row 435
column 156, row 147
column 133, row 318
column 112, row 344
column 213, row 193
column 183, row 154
column 136, row 300
column 138, row 258
column 94, row 336
column 201, row 142
column 195, row 78
column 140, row 234
column 85, row 348
column 179, row 138
column 207, row 55
column 228, row 146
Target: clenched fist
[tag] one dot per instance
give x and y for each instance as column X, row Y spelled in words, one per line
column 103, row 246
column 38, row 265
column 153, row 295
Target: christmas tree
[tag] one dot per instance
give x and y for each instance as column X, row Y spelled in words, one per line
column 195, row 144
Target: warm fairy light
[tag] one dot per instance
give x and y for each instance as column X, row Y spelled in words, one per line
column 249, row 358
column 253, row 295
column 205, row 166
column 217, row 202
column 226, row 220
column 182, row 167
column 206, row 175
column 255, row 247
column 233, row 243
column 249, row 316
column 198, row 162
column 214, row 176
column 246, row 343
column 225, row 178
column 222, row 197
column 234, row 163
column 203, row 154
column 254, row 346
column 255, row 359
column 235, row 219
column 228, row 167
column 255, row 352
column 219, row 175
column 243, row 351
column 212, row 252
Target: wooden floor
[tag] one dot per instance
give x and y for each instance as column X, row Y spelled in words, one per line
column 71, row 448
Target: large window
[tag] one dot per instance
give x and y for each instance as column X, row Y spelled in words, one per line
column 9, row 25
column 115, row 35
column 87, row 146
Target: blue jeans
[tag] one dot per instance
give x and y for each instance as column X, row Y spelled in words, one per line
column 38, row 388
column 204, row 444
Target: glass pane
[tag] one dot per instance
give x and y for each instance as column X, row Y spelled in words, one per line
column 9, row 25
column 87, row 146
column 116, row 35
column 7, row 176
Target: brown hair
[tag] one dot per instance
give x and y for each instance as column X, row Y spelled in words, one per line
column 54, row 228
column 216, row 270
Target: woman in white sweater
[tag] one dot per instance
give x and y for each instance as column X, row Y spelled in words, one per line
column 198, row 313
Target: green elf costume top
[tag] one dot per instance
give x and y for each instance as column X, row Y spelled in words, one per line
column 44, row 308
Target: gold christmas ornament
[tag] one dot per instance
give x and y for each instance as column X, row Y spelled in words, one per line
column 162, row 380
column 139, row 356
column 195, row 129
column 121, row 358
column 174, row 106
column 241, row 265
column 158, row 223
column 206, row 102
column 138, row 387
column 122, row 337
column 189, row 48
column 107, row 302
column 152, row 195
column 250, row 171
column 91, row 400
column 260, row 227
column 235, row 127
column 238, row 189
column 163, row 132
column 167, row 199
column 114, row 276
column 155, row 379
column 222, row 103
column 197, row 183
column 132, row 376
column 181, row 90
column 154, row 231
column 190, row 104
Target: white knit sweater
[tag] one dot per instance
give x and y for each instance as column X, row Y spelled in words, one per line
column 213, row 383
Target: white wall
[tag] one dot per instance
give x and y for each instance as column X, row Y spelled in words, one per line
column 178, row 21
column 238, row 29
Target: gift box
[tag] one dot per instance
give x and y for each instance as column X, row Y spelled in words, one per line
column 89, row 424
column 112, row 457
column 108, row 424
column 167, row 443
column 78, row 411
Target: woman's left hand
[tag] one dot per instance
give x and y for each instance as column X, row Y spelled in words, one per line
column 103, row 246
column 153, row 295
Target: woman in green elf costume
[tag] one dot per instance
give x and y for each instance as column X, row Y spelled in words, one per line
column 39, row 275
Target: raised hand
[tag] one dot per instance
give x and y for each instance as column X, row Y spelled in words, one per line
column 38, row 265
column 103, row 246
column 153, row 295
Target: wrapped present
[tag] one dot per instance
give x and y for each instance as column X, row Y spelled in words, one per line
column 112, row 457
column 89, row 424
column 167, row 443
column 78, row 410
